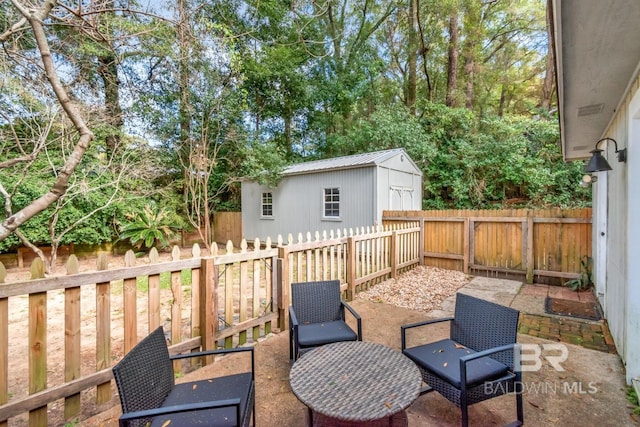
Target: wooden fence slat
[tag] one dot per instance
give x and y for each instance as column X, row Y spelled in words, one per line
column 72, row 339
column 103, row 330
column 228, row 301
column 176, row 306
column 257, row 296
column 243, row 295
column 130, row 298
column 208, row 304
column 38, row 352
column 550, row 242
column 4, row 354
column 153, row 302
column 195, row 300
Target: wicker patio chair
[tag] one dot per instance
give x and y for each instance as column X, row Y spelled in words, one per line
column 477, row 362
column 317, row 317
column 149, row 394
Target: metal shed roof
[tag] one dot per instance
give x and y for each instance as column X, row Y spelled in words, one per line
column 346, row 162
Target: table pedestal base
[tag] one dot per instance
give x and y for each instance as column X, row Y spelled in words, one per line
column 399, row 419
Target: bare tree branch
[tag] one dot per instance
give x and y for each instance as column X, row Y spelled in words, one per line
column 36, row 17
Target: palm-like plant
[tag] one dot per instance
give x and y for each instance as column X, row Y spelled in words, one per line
column 148, row 228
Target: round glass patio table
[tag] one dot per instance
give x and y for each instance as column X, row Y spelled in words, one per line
column 355, row 382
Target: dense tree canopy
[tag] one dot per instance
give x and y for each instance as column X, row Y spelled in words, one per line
column 107, row 107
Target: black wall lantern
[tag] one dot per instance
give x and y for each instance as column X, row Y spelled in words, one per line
column 597, row 163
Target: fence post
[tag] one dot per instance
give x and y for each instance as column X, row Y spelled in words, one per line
column 282, row 286
column 393, row 250
column 153, row 301
column 4, row 346
column 103, row 330
column 176, row 305
column 130, row 305
column 37, row 345
column 529, row 248
column 421, row 250
column 195, row 295
column 4, row 350
column 471, row 256
column 72, row 339
column 465, row 246
column 208, row 309
column 351, row 267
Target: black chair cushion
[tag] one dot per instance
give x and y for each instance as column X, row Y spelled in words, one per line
column 229, row 387
column 315, row 334
column 443, row 359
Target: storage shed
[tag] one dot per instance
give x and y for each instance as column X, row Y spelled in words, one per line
column 331, row 194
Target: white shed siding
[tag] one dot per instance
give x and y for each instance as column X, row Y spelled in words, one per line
column 398, row 190
column 367, row 183
column 298, row 204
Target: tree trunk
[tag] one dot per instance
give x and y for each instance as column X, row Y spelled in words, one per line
column 503, row 98
column 413, row 58
column 473, row 41
column 469, row 67
column 108, row 71
column 549, row 75
column 35, row 17
column 452, row 64
column 184, row 74
column 288, row 141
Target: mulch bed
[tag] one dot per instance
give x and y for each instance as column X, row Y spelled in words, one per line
column 569, row 308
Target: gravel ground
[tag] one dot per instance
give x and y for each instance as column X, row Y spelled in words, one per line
column 423, row 288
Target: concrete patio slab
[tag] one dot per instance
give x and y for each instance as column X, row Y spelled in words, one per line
column 588, row 389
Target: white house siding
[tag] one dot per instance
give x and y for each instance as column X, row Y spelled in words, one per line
column 632, row 232
column 621, row 300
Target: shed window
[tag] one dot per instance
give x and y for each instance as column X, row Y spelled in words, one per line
column 267, row 204
column 332, row 202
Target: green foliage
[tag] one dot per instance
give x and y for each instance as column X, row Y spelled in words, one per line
column 256, row 85
column 88, row 192
column 497, row 162
column 263, row 163
column 142, row 282
column 585, row 281
column 632, row 397
column 386, row 128
column 148, row 228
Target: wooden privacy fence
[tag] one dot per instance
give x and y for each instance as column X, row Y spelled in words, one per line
column 59, row 336
column 533, row 243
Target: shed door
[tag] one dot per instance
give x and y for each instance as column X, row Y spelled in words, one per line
column 400, row 198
